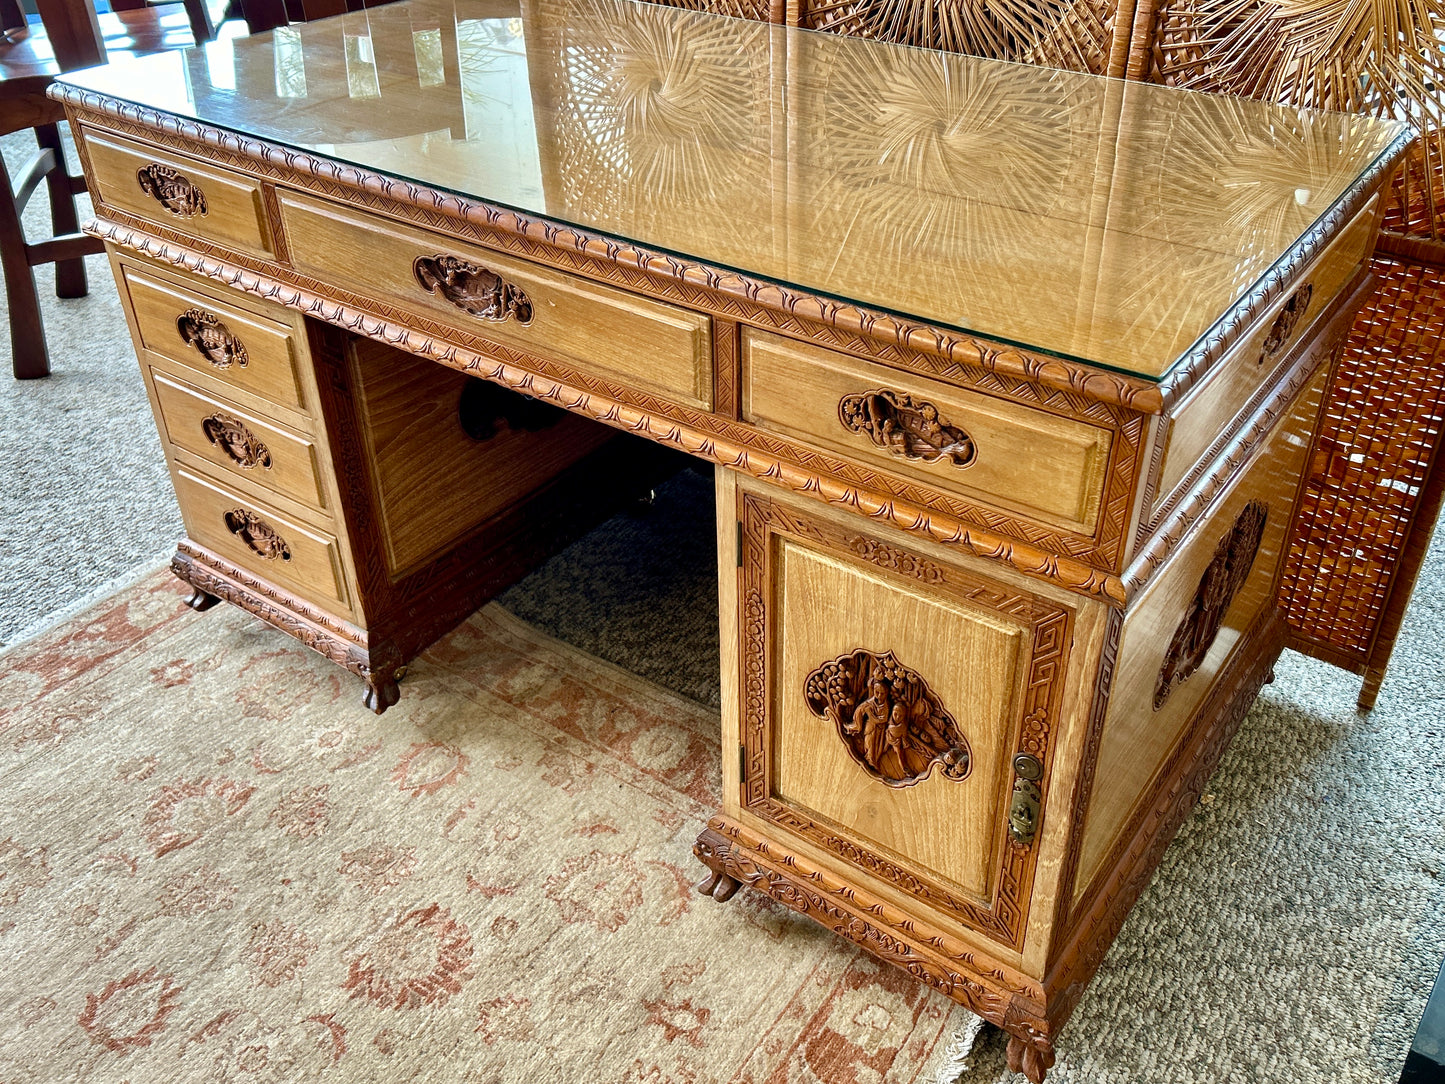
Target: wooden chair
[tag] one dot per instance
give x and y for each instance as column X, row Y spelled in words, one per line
column 201, row 14
column 73, row 37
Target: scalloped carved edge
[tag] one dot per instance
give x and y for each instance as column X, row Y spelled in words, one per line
column 339, row 641
column 1067, row 572
column 1108, row 387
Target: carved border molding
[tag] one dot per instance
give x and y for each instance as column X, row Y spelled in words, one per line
column 761, row 519
column 740, row 448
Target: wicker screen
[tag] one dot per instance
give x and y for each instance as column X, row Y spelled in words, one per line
column 1073, row 34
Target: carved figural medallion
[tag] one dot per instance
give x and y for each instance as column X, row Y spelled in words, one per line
column 472, row 288
column 237, row 442
column 172, row 190
column 212, row 338
column 1222, row 579
column 1286, row 321
column 907, row 427
column 258, row 535
column 892, row 723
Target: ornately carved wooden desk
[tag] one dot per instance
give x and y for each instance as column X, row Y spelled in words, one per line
column 1010, row 376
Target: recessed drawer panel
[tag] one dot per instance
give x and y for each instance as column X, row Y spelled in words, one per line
column 230, row 344
column 239, row 443
column 189, row 196
column 1040, row 465
column 260, row 539
column 645, row 343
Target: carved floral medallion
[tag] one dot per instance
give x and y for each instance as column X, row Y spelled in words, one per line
column 1221, row 581
column 907, row 427
column 212, row 338
column 236, row 441
column 258, row 535
column 893, row 724
column 172, row 190
column 472, row 288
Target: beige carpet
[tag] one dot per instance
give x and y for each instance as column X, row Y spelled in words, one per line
column 214, row 866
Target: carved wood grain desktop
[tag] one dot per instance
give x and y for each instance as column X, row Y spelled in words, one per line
column 951, row 581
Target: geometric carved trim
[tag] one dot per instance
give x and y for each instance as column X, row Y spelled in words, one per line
column 205, row 331
column 892, row 723
column 472, row 288
column 238, row 442
column 1004, row 917
column 173, row 191
column 1221, row 581
column 907, row 427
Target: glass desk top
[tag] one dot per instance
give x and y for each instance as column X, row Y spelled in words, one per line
column 1106, row 222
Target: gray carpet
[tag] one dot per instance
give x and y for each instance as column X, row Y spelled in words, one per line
column 1290, row 936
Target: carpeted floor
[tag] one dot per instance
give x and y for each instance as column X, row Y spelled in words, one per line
column 1290, row 935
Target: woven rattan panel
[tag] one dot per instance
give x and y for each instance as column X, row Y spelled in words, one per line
column 1383, row 420
column 1073, row 34
column 761, row 10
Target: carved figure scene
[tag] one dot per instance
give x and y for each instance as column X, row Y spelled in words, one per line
column 1221, row 581
column 907, row 427
column 892, row 723
column 236, row 441
column 472, row 288
column 259, row 535
column 172, row 190
column 212, row 338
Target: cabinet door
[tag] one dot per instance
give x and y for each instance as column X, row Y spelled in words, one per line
column 897, row 711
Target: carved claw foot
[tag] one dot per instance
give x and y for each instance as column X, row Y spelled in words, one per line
column 1033, row 1061
column 718, row 885
column 381, row 693
column 1269, row 677
column 200, row 601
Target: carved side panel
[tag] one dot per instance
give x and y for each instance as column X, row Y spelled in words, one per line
column 1221, row 581
column 898, row 707
column 890, row 720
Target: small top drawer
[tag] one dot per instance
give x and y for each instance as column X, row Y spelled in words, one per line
column 655, row 346
column 243, row 349
column 191, row 197
column 1048, row 468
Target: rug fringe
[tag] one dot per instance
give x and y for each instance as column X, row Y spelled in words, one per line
column 957, row 1060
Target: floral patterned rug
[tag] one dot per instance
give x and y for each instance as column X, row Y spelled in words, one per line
column 215, row 865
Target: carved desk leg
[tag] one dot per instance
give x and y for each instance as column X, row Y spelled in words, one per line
column 201, row 601
column 382, row 690
column 1033, row 1057
column 712, row 850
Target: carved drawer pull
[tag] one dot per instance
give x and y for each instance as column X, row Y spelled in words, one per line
column 1222, row 579
column 472, row 288
column 892, row 723
column 1023, row 811
column 238, row 442
column 212, row 338
column 172, row 190
column 907, row 427
column 1285, row 321
column 259, row 535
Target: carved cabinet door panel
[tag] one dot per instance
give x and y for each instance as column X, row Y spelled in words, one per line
column 896, row 710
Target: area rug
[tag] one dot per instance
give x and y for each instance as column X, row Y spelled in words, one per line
column 216, row 866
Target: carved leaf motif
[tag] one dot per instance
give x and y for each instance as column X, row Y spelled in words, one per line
column 212, row 338
column 472, row 288
column 172, row 190
column 1286, row 321
column 892, row 723
column 1221, row 581
column 259, row 535
column 238, row 442
column 907, row 427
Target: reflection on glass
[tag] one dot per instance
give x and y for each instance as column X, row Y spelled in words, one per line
column 290, row 62
column 221, row 64
column 1109, row 222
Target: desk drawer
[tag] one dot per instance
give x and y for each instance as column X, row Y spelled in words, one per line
column 1048, row 468
column 191, row 197
column 258, row 538
column 239, row 443
column 645, row 343
column 245, row 350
